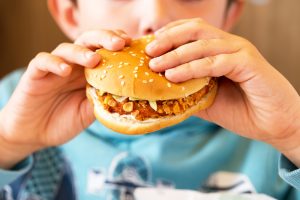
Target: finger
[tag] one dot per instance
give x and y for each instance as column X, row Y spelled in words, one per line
column 45, row 63
column 123, row 35
column 232, row 66
column 175, row 23
column 192, row 51
column 101, row 38
column 182, row 34
column 77, row 55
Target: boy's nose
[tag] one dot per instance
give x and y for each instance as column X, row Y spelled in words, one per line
column 155, row 15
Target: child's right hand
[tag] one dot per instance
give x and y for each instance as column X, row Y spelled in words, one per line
column 49, row 106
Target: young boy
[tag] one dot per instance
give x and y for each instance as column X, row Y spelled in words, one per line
column 46, row 106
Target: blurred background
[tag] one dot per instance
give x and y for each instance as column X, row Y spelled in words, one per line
column 26, row 28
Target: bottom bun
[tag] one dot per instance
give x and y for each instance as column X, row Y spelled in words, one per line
column 127, row 124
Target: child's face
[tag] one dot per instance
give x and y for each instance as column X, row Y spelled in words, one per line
column 139, row 17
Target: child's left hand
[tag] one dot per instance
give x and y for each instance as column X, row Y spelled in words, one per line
column 254, row 100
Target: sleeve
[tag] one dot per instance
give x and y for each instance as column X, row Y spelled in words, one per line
column 289, row 172
column 8, row 85
column 8, row 176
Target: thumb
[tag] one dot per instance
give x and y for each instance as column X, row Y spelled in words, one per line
column 86, row 113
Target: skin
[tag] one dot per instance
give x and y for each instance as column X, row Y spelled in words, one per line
column 49, row 106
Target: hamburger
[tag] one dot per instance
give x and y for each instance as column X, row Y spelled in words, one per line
column 130, row 98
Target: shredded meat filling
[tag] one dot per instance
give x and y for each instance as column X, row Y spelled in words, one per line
column 142, row 110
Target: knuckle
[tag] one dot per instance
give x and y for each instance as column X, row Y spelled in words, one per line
column 86, row 34
column 120, row 31
column 39, row 58
column 75, row 49
column 211, row 60
column 43, row 58
column 62, row 46
column 41, row 55
column 203, row 43
column 189, row 67
column 198, row 20
column 105, row 32
column 192, row 69
column 81, row 39
column 176, row 55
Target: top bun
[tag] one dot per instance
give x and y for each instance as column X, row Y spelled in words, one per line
column 126, row 73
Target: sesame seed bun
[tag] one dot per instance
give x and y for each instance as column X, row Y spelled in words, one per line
column 126, row 73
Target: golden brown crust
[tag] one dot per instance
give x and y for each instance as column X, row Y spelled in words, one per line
column 126, row 73
column 131, row 126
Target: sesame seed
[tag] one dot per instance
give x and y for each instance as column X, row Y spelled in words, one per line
column 121, row 63
column 135, row 75
column 141, row 64
column 121, row 76
column 136, row 68
column 146, row 73
column 134, row 71
column 159, row 74
column 169, row 85
column 144, row 81
column 114, row 54
column 151, row 80
column 122, row 83
column 183, row 88
column 142, row 58
column 109, row 66
column 103, row 76
column 104, row 71
column 142, row 51
column 126, row 64
column 133, row 54
column 120, row 66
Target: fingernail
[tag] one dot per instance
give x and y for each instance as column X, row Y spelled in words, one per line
column 89, row 55
column 64, row 66
column 152, row 45
column 155, row 61
column 116, row 39
column 169, row 74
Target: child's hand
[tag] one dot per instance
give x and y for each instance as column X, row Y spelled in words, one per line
column 254, row 100
column 49, row 106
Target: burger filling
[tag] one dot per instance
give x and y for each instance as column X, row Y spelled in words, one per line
column 143, row 109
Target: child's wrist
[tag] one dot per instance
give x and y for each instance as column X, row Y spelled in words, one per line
column 293, row 153
column 11, row 153
column 290, row 145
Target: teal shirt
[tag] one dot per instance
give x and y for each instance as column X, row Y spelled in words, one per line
column 183, row 156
